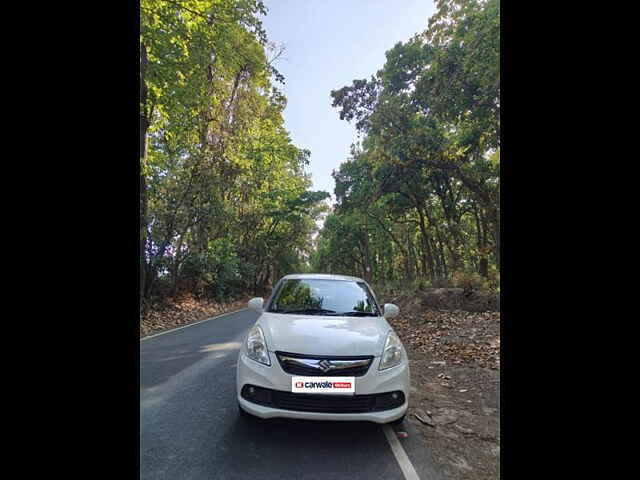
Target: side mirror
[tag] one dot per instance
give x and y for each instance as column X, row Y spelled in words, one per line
column 390, row 310
column 256, row 304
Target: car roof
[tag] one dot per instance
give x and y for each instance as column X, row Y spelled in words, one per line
column 321, row 276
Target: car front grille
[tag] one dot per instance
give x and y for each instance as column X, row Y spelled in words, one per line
column 324, row 366
column 318, row 403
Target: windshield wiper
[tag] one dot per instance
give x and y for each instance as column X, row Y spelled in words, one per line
column 309, row 311
column 358, row 314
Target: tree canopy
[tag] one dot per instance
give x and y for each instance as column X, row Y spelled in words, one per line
column 419, row 196
column 225, row 203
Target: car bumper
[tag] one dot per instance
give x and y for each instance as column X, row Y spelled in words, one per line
column 273, row 377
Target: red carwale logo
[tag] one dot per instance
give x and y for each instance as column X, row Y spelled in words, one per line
column 341, row 384
column 324, row 385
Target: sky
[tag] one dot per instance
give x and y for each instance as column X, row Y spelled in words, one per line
column 328, row 44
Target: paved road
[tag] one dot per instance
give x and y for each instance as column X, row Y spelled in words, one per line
column 190, row 429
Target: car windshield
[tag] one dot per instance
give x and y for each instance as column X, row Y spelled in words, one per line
column 324, row 297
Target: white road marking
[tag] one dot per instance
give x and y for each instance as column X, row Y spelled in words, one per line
column 191, row 324
column 401, row 456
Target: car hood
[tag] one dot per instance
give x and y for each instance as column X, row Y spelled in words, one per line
column 318, row 335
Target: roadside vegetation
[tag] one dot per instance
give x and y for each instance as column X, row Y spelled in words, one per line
column 225, row 200
column 418, row 202
column 225, row 205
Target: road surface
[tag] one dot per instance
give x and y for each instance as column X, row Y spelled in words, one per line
column 190, row 429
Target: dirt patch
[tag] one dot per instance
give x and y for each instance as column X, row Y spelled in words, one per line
column 469, row 300
column 463, row 405
column 455, row 382
column 181, row 311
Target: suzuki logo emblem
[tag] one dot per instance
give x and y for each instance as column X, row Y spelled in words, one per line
column 325, row 365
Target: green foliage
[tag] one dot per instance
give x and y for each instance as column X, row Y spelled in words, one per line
column 419, row 197
column 469, row 281
column 225, row 200
column 215, row 272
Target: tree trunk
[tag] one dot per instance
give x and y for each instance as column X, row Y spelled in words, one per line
column 407, row 259
column 427, row 254
column 483, row 266
column 414, row 267
column 494, row 216
column 484, row 261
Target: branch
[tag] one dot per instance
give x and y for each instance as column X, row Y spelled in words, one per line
column 389, row 232
column 209, row 18
column 279, row 51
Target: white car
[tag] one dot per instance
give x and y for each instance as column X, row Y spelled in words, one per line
column 322, row 350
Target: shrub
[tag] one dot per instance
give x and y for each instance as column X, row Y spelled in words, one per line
column 494, row 279
column 469, row 281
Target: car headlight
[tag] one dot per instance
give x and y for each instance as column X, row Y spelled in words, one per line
column 257, row 347
column 392, row 352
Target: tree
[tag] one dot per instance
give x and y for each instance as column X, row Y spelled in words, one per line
column 427, row 171
column 224, row 197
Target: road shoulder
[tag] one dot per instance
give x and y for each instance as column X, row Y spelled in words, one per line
column 184, row 312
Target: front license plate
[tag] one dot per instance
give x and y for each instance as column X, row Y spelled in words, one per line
column 340, row 385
